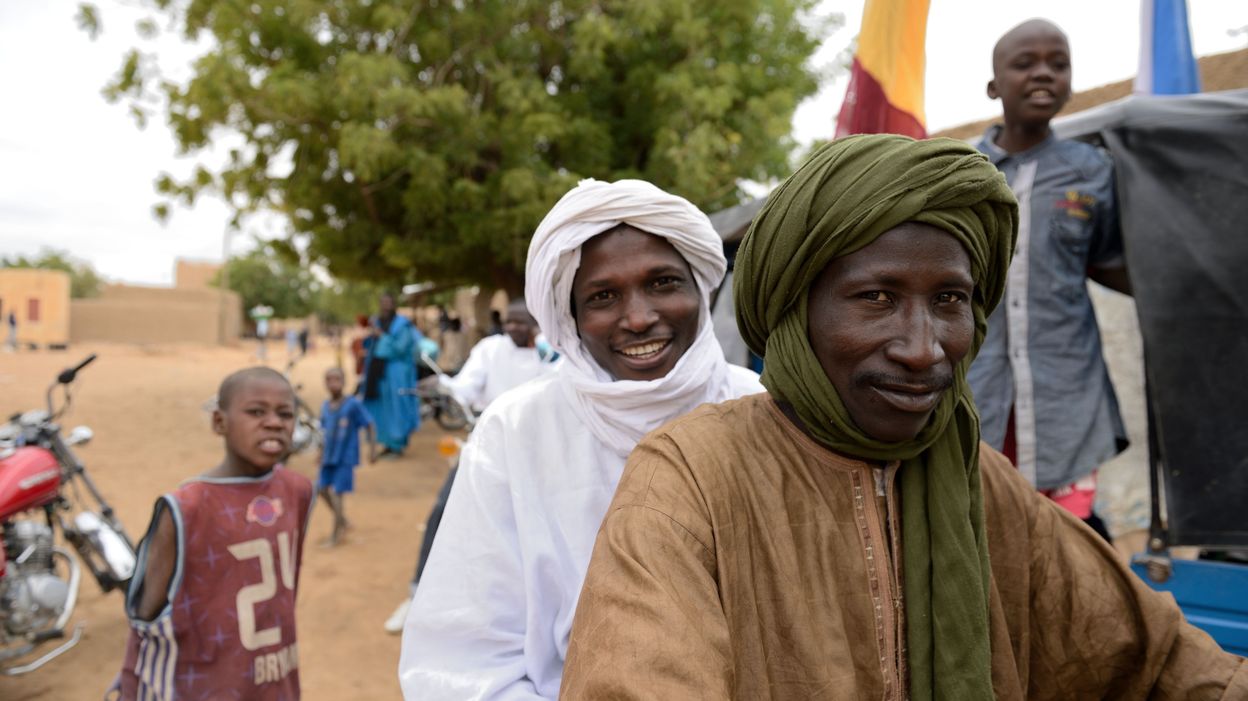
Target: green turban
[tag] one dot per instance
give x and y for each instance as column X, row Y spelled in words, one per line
column 844, row 197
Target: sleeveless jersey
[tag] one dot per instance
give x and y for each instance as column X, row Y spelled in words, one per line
column 228, row 631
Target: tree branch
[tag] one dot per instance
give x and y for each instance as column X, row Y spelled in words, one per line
column 386, row 182
column 370, row 205
column 401, row 35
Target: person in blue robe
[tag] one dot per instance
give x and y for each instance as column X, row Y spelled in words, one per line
column 389, row 384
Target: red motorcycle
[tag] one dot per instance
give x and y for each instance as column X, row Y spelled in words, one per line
column 42, row 485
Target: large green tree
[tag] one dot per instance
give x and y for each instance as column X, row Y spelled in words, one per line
column 424, row 139
column 83, row 280
column 268, row 275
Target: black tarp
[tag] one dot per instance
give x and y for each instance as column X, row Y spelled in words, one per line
column 1182, row 169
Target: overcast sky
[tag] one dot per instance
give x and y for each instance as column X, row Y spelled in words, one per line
column 76, row 173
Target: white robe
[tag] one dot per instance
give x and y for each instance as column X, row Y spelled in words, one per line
column 495, row 365
column 493, row 611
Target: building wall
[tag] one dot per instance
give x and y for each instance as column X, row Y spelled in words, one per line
column 177, row 295
column 194, row 275
column 43, row 293
column 132, row 314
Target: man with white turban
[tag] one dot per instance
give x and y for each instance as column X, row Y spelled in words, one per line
column 619, row 277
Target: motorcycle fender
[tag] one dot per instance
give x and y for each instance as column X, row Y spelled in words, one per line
column 112, row 548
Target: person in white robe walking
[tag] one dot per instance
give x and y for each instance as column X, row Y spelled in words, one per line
column 496, row 364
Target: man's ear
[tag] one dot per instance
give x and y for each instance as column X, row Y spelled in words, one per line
column 218, row 422
column 992, row 90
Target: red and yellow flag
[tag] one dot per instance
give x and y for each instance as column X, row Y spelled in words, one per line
column 885, row 94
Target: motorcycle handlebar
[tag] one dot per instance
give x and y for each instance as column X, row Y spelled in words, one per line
column 67, row 376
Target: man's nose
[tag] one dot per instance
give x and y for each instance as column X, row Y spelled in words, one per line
column 917, row 342
column 639, row 313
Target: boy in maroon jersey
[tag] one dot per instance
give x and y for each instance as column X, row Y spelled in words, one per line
column 212, row 603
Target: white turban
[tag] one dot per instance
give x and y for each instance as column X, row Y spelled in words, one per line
column 620, row 412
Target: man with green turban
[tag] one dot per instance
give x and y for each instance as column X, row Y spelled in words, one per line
column 846, row 535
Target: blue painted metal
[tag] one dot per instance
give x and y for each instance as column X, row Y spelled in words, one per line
column 1213, row 596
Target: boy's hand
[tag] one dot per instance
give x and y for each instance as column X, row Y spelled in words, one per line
column 372, row 454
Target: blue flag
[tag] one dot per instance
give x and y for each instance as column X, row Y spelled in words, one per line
column 1167, row 65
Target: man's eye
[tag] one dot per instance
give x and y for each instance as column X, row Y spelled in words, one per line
column 876, row 296
column 256, row 412
column 667, row 281
column 950, row 297
column 600, row 297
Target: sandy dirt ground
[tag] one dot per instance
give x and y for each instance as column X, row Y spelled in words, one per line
column 151, row 432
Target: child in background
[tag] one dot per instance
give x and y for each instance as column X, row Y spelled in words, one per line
column 292, row 342
column 1041, row 362
column 212, row 602
column 342, row 417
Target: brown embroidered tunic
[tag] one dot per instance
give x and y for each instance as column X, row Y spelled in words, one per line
column 742, row 560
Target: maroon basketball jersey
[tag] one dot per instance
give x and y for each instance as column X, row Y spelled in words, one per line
column 228, row 631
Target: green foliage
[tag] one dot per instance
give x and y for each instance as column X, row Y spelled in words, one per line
column 275, row 276
column 342, row 302
column 266, row 277
column 412, row 140
column 88, row 19
column 83, row 280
